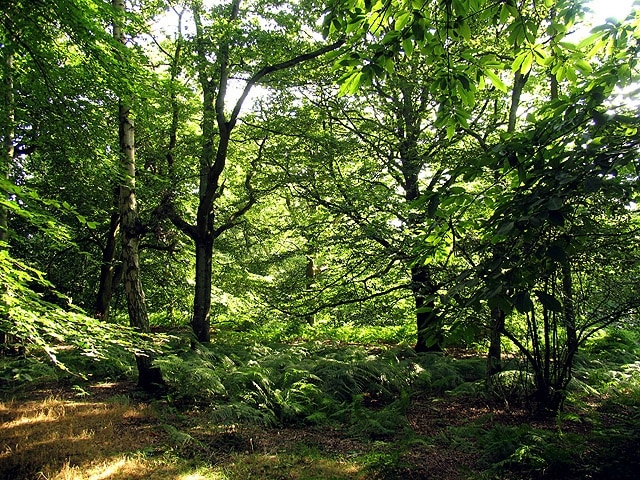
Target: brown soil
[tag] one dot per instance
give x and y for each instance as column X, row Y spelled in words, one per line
column 55, row 429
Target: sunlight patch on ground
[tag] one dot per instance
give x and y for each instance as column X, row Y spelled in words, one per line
column 116, row 468
column 65, row 439
column 203, row 474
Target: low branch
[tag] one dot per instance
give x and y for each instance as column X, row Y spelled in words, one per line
column 167, row 210
column 340, row 303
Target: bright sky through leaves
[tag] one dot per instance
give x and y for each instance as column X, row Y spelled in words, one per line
column 604, row 9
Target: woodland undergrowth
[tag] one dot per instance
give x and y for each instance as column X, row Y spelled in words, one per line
column 373, row 394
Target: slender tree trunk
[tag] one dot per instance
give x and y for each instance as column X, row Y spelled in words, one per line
column 310, row 280
column 217, row 125
column 494, row 355
column 569, row 311
column 108, row 269
column 8, row 146
column 149, row 377
column 428, row 321
column 8, row 130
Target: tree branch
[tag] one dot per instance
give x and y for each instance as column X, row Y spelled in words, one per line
column 269, row 69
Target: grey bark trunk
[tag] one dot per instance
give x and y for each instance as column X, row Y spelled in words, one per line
column 8, row 132
column 8, row 146
column 149, row 377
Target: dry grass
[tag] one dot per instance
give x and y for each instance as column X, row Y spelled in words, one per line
column 58, row 437
column 54, row 437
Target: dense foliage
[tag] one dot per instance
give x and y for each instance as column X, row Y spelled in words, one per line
column 437, row 173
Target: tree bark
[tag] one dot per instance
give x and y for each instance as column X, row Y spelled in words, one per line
column 8, row 145
column 428, row 322
column 310, row 280
column 201, row 321
column 213, row 157
column 149, row 377
column 494, row 356
column 108, row 269
column 8, row 130
column 569, row 311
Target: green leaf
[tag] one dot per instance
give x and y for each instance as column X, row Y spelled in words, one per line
column 583, row 66
column 408, row 46
column 549, row 301
column 505, row 228
column 522, row 302
column 350, row 84
column 555, row 203
column 496, row 81
column 432, row 208
column 390, row 37
column 465, row 31
column 403, row 20
column 451, row 130
column 592, row 184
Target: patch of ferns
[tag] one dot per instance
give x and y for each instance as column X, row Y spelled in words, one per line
column 312, row 383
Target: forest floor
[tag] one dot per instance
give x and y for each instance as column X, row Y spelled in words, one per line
column 109, row 431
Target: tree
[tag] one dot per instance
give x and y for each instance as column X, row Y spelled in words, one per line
column 149, row 376
column 217, row 127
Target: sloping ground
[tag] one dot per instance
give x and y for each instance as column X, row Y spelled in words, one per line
column 107, row 434
column 51, row 434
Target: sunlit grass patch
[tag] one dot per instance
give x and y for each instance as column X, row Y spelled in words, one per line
column 136, row 467
column 54, row 434
column 291, row 466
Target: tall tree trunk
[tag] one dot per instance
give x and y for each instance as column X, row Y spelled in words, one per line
column 8, row 146
column 201, row 322
column 428, row 321
column 216, row 125
column 569, row 311
column 8, row 129
column 310, row 280
column 494, row 355
column 149, row 377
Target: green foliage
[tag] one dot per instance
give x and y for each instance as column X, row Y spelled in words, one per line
column 47, row 328
column 530, row 452
column 615, row 346
column 17, row 372
column 277, row 384
column 436, row 373
column 371, row 423
column 385, row 461
column 511, row 386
